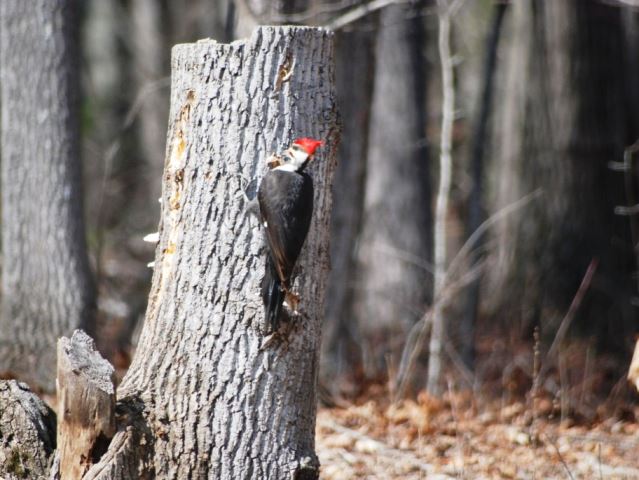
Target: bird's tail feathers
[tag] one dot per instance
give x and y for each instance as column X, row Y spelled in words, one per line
column 272, row 295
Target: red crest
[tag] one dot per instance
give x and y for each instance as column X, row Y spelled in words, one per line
column 308, row 144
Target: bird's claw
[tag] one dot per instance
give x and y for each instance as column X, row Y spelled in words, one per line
column 292, row 301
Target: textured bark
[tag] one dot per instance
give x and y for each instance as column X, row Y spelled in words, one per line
column 86, row 404
column 209, row 395
column 564, row 121
column 394, row 248
column 27, row 433
column 47, row 289
column 354, row 66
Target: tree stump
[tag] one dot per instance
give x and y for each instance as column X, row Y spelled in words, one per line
column 208, row 394
column 86, row 404
column 27, row 432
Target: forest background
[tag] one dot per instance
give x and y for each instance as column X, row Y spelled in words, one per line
column 484, row 233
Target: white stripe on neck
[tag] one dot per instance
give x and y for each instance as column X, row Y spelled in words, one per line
column 287, row 167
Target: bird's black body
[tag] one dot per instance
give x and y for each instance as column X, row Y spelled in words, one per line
column 286, row 206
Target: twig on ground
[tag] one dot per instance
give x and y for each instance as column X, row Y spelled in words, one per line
column 572, row 310
column 561, row 457
column 461, row 444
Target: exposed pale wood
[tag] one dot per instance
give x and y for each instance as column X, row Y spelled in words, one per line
column 86, row 404
column 27, row 432
column 207, row 394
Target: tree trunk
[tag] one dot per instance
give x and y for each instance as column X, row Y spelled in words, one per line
column 394, row 249
column 207, row 394
column 479, row 145
column 354, row 66
column 561, row 128
column 47, row 289
column 27, row 432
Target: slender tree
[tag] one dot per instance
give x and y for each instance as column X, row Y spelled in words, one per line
column 47, row 289
column 440, row 233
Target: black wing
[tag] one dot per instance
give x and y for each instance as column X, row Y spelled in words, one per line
column 287, row 212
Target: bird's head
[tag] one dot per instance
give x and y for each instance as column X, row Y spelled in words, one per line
column 300, row 153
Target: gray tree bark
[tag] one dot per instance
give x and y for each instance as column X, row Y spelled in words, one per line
column 564, row 119
column 47, row 289
column 207, row 394
column 394, row 248
column 27, row 433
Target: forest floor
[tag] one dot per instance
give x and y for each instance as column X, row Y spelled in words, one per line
column 456, row 438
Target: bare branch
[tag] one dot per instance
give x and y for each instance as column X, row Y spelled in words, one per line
column 567, row 320
column 361, row 11
column 631, row 210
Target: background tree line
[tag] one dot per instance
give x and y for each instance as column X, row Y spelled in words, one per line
column 546, row 105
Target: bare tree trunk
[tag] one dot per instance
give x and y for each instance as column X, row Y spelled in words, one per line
column 562, row 127
column 208, row 395
column 479, row 144
column 47, row 289
column 394, row 248
column 354, row 66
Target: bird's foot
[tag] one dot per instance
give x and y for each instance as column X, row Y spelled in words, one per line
column 292, row 301
column 245, row 184
column 251, row 206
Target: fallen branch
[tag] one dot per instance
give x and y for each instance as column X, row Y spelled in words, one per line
column 572, row 310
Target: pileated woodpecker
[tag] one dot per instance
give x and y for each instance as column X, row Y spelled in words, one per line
column 285, row 199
